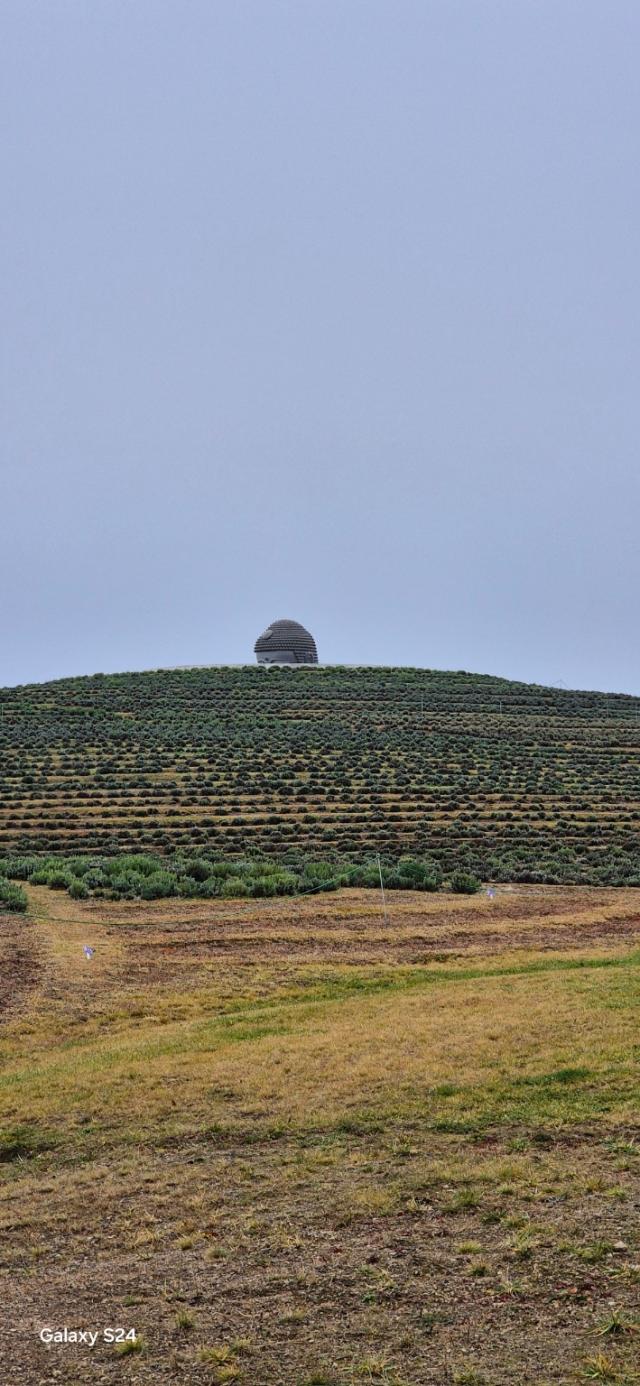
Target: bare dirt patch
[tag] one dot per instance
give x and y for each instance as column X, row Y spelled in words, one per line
column 20, row 966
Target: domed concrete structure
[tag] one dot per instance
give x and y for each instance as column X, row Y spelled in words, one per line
column 286, row 642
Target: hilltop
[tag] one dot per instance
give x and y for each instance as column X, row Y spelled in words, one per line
column 513, row 780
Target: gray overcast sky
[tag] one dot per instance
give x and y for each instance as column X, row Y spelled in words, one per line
column 324, row 309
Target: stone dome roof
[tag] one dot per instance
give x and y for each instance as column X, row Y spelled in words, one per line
column 286, row 642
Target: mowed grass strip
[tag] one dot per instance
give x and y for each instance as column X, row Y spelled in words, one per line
column 546, row 1043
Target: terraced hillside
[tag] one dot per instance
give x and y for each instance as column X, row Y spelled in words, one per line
column 515, row 780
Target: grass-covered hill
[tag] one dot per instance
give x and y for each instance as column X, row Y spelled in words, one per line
column 511, row 780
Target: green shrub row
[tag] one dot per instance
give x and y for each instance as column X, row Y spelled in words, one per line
column 12, row 897
column 144, row 877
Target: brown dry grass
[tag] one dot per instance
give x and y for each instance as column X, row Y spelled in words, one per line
column 290, row 1143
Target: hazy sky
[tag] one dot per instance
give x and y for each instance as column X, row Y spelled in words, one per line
column 325, row 309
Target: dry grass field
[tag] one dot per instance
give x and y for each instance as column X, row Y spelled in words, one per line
column 290, row 1142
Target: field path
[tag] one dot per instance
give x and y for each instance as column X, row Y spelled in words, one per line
column 19, row 965
column 42, row 954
